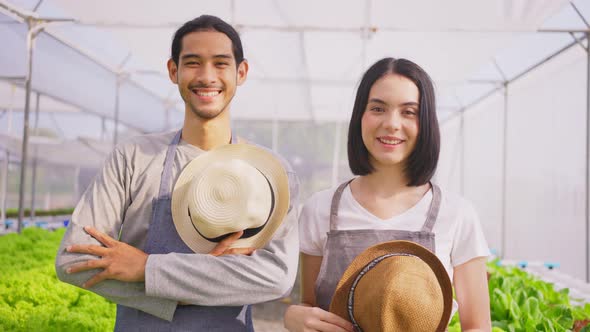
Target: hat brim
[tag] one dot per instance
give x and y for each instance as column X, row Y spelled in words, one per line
column 269, row 165
column 339, row 302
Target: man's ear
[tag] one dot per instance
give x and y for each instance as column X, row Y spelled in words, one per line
column 172, row 71
column 242, row 71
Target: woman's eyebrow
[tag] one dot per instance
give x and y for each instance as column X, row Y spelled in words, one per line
column 377, row 100
column 410, row 103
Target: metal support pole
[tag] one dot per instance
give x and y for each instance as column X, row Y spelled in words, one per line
column 31, row 34
column 587, row 157
column 4, row 187
column 504, row 171
column 34, row 180
column 503, row 232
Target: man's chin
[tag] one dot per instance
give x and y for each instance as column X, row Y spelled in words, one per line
column 206, row 114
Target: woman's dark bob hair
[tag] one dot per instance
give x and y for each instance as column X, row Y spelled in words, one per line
column 421, row 163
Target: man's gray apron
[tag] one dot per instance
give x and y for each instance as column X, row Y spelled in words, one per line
column 343, row 246
column 163, row 238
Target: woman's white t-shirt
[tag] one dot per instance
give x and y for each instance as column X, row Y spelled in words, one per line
column 458, row 233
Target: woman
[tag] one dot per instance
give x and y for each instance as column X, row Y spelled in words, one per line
column 393, row 148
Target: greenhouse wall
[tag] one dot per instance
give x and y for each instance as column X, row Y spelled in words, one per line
column 545, row 165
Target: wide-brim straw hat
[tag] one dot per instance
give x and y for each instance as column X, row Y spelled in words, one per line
column 395, row 286
column 230, row 188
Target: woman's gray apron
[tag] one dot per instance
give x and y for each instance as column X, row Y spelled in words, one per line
column 343, row 246
column 163, row 238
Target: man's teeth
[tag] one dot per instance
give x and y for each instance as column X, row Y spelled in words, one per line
column 393, row 142
column 207, row 93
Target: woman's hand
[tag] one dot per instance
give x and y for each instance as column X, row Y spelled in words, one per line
column 302, row 318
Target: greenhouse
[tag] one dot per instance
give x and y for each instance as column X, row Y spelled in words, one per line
column 79, row 80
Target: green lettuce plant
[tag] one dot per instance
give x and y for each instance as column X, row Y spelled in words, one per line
column 31, row 296
column 521, row 302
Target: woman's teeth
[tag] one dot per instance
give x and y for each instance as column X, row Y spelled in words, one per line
column 392, row 142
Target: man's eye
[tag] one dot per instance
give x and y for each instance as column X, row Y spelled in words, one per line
column 222, row 64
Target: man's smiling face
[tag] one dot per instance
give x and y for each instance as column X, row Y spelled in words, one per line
column 207, row 74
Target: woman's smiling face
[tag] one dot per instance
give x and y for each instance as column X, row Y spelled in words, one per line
column 389, row 125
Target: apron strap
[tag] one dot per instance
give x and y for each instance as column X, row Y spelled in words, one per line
column 336, row 203
column 430, row 218
column 167, row 171
column 433, row 210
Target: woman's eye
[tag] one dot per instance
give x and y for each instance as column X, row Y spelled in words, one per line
column 376, row 109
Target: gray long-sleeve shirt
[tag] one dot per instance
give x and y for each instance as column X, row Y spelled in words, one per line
column 119, row 203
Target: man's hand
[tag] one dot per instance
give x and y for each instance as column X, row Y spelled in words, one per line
column 223, row 247
column 119, row 260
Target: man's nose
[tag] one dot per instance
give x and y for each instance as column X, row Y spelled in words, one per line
column 207, row 74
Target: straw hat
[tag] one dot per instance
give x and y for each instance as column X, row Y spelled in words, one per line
column 228, row 189
column 395, row 286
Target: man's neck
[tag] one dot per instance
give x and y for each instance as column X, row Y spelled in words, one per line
column 207, row 134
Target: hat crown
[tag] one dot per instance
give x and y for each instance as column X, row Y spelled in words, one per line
column 227, row 197
column 395, row 286
column 265, row 191
column 410, row 300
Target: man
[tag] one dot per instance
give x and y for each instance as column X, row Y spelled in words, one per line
column 156, row 282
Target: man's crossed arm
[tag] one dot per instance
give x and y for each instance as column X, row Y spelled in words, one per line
column 123, row 262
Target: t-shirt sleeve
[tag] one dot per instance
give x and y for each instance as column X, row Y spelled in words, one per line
column 469, row 240
column 310, row 241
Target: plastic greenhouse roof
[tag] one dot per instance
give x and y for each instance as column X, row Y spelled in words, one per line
column 305, row 56
column 56, row 152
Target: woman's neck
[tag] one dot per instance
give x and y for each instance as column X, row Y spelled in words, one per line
column 383, row 183
column 386, row 194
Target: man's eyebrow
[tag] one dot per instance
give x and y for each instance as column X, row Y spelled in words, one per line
column 217, row 56
column 190, row 55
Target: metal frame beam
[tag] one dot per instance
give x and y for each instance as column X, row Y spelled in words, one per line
column 504, row 86
column 587, row 159
column 26, row 15
column 587, row 182
column 517, row 77
column 306, row 28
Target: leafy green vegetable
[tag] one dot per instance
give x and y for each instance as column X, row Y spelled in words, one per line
column 31, row 296
column 33, row 299
column 522, row 302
